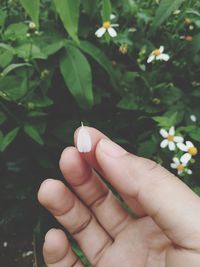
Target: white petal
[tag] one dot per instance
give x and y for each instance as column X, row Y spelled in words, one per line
column 171, row 146
column 176, row 161
column 165, row 57
column 172, row 130
column 100, row 32
column 189, row 144
column 179, row 172
column 112, row 32
column 164, row 143
column 150, row 58
column 164, row 133
column 193, row 118
column 173, row 166
column 189, row 171
column 84, row 143
column 182, row 147
column 112, row 16
column 114, row 25
column 178, row 139
column 161, row 49
column 186, row 158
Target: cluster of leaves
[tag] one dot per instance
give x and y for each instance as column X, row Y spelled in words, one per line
column 55, row 73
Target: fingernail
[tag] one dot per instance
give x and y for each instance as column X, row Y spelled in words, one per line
column 111, row 148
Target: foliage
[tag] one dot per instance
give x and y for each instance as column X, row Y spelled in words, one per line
column 56, row 73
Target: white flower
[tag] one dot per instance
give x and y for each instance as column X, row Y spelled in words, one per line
column 193, row 118
column 84, row 143
column 158, row 54
column 32, row 25
column 107, row 27
column 180, row 166
column 170, row 138
column 190, row 150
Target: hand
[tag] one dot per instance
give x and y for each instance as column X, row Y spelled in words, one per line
column 166, row 233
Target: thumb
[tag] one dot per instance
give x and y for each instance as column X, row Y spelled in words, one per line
column 170, row 203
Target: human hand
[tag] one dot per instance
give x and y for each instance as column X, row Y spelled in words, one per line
column 166, row 234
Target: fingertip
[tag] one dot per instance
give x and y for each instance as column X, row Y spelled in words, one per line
column 56, row 246
column 55, row 196
column 73, row 166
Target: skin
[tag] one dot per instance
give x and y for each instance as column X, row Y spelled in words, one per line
column 166, row 233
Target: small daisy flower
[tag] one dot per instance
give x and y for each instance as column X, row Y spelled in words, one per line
column 107, row 27
column 170, row 139
column 180, row 166
column 32, row 25
column 158, row 54
column 193, row 118
column 190, row 150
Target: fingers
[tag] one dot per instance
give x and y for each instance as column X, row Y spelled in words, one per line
column 93, row 192
column 57, row 251
column 75, row 217
column 90, row 157
column 172, row 205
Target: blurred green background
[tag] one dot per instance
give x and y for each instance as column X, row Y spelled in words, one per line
column 55, row 73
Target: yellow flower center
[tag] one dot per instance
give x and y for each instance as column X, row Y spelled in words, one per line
column 106, row 24
column 180, row 167
column 193, row 151
column 187, row 21
column 156, row 52
column 170, row 137
column 123, row 49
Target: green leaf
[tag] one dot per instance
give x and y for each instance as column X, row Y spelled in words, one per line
column 37, row 114
column 107, row 9
column 2, row 17
column 76, row 72
column 195, row 134
column 97, row 55
column 164, row 10
column 32, row 8
column 5, row 58
column 128, row 102
column 13, row 87
column 32, row 132
column 7, row 47
column 27, row 51
column 41, row 102
column 166, row 122
column 147, row 148
column 8, row 138
column 2, row 117
column 68, row 11
column 14, row 66
column 195, row 47
column 52, row 48
column 196, row 92
column 16, row 31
